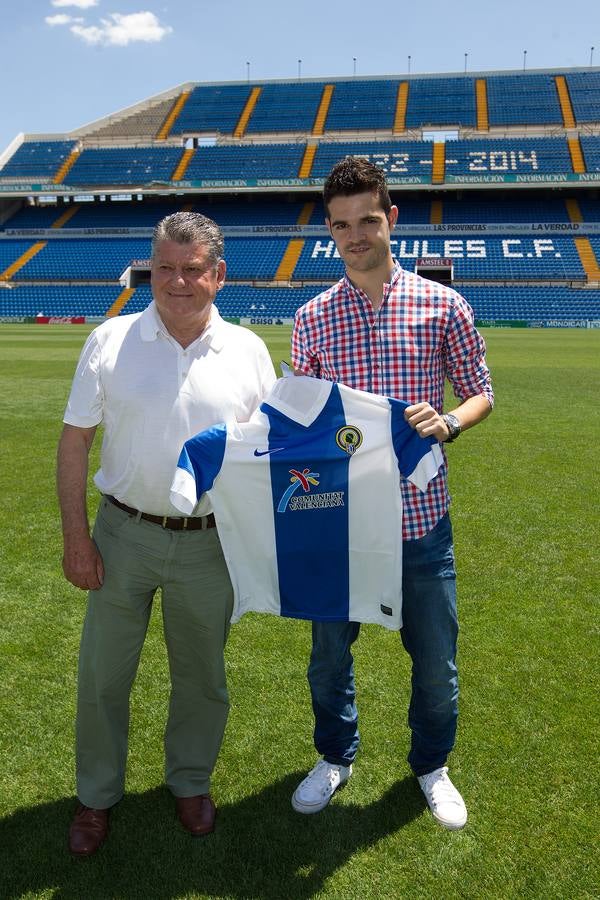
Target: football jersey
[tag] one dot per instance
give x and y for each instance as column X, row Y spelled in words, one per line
column 307, row 500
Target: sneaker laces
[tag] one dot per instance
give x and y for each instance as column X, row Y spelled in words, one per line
column 323, row 775
column 438, row 785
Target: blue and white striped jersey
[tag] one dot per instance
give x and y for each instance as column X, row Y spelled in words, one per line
column 307, row 500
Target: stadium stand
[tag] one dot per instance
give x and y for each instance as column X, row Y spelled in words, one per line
column 507, row 189
column 124, row 166
column 399, row 158
column 37, row 159
column 293, row 106
column 246, row 162
column 441, row 101
column 211, row 109
column 584, row 91
column 508, row 156
column 406, row 161
column 362, row 106
column 523, row 99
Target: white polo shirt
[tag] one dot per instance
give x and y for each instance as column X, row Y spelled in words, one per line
column 151, row 395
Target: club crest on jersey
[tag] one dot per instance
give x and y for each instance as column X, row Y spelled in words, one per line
column 305, row 479
column 349, row 438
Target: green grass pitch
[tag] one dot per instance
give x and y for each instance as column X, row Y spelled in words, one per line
column 525, row 486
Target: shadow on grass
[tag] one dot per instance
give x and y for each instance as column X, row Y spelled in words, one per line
column 260, row 849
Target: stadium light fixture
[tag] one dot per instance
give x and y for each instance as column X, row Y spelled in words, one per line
column 466, row 58
column 248, row 71
column 591, row 55
column 409, row 63
column 299, row 68
column 524, row 59
column 354, row 65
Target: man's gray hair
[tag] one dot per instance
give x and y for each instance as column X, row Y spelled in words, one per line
column 190, row 228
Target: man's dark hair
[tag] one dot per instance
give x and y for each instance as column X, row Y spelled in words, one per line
column 356, row 175
column 190, row 228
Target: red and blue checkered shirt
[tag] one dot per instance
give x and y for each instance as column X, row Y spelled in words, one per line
column 422, row 333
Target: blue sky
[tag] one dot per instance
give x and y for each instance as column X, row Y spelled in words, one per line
column 70, row 62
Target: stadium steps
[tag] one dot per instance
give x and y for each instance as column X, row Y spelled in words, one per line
column 66, row 216
column 242, row 124
column 123, row 298
column 439, row 162
column 573, row 210
column 170, row 120
column 436, row 216
column 22, row 260
column 576, row 155
column 319, row 126
column 306, row 213
column 483, row 122
column 289, row 260
column 183, row 163
column 66, row 166
column 565, row 103
column 588, row 258
column 307, row 161
column 401, row 104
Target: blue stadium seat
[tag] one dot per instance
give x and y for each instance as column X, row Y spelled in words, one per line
column 124, row 165
column 231, row 162
column 507, row 156
column 441, row 102
column 584, row 91
column 58, row 300
column 401, row 159
column 591, row 151
column 491, row 257
column 523, row 99
column 359, row 105
column 291, row 106
column 212, row 108
column 80, row 259
column 37, row 159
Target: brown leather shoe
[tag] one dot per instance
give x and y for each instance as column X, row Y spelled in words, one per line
column 88, row 830
column 196, row 814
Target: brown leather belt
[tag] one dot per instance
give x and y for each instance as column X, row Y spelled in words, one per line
column 191, row 523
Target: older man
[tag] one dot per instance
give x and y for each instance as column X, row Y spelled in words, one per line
column 153, row 379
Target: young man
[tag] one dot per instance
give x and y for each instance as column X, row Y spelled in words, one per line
column 386, row 330
column 153, row 379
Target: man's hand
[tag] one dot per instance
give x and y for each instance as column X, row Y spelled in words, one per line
column 426, row 421
column 82, row 563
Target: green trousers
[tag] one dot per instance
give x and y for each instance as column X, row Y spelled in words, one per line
column 197, row 601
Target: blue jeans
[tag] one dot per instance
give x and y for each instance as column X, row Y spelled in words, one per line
column 429, row 635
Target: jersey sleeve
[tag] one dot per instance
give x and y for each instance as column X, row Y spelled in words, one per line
column 199, row 464
column 419, row 458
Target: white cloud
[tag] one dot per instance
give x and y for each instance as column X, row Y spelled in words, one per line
column 119, row 30
column 62, row 19
column 81, row 4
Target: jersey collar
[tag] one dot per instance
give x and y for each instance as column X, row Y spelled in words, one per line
column 299, row 397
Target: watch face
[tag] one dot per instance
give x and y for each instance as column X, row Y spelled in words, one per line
column 453, row 425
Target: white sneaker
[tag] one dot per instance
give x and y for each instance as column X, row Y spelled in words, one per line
column 446, row 804
column 314, row 793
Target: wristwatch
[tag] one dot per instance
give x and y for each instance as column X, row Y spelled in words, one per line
column 453, row 425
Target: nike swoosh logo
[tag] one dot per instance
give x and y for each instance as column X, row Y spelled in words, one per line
column 266, row 452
